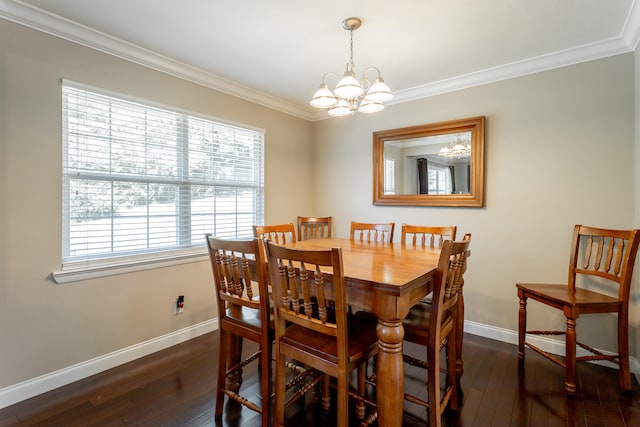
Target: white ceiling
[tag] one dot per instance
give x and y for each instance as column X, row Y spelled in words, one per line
column 276, row 52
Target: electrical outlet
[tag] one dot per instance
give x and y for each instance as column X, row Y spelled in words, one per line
column 178, row 305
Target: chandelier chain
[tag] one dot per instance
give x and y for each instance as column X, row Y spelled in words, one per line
column 353, row 67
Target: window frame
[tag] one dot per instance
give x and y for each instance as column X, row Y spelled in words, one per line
column 82, row 268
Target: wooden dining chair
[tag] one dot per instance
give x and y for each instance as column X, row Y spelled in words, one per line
column 434, row 237
column 278, row 233
column 371, row 233
column 314, row 227
column 243, row 312
column 423, row 235
column 601, row 259
column 310, row 332
column 434, row 326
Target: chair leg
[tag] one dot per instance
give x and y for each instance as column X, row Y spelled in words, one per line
column 326, row 396
column 280, row 385
column 343, row 402
column 570, row 357
column 222, row 370
column 433, row 382
column 522, row 325
column 623, row 352
column 360, row 405
column 234, row 357
column 265, row 360
column 459, row 337
column 452, row 363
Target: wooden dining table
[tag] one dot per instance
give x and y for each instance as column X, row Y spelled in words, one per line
column 386, row 279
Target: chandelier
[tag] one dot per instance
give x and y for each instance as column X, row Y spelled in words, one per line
column 456, row 150
column 351, row 95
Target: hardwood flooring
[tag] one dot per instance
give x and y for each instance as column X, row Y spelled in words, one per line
column 175, row 387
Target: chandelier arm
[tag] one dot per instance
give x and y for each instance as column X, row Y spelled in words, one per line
column 366, row 83
column 330, row 73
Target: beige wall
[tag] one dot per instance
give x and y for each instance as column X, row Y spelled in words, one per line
column 559, row 151
column 45, row 327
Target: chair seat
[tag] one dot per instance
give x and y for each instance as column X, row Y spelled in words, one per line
column 246, row 317
column 558, row 294
column 363, row 340
column 416, row 324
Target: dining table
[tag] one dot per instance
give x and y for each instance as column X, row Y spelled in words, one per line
column 386, row 279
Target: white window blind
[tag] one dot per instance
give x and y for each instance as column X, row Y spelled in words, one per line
column 389, row 176
column 439, row 179
column 142, row 182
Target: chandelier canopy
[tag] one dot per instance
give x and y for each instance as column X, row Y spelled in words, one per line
column 351, row 95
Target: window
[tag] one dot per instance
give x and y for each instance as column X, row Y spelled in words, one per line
column 142, row 182
column 389, row 176
column 439, row 179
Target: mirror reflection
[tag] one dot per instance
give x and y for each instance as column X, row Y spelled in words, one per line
column 435, row 164
column 438, row 164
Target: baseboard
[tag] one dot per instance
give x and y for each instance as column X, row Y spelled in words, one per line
column 30, row 388
column 547, row 344
column 33, row 387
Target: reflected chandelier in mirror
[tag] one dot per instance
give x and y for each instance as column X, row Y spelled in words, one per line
column 438, row 164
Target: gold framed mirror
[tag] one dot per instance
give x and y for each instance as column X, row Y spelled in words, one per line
column 436, row 164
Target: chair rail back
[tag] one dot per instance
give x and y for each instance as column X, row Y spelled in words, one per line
column 236, row 273
column 314, row 227
column 432, row 236
column 449, row 277
column 605, row 253
column 300, row 294
column 371, row 233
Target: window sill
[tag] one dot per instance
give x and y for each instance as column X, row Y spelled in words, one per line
column 93, row 272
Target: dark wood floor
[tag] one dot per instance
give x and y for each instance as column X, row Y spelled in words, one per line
column 174, row 387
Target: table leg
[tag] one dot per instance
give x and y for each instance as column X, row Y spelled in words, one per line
column 390, row 373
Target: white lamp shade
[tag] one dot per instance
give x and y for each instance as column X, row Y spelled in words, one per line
column 379, row 92
column 370, row 106
column 340, row 109
column 323, row 98
column 348, row 87
column 458, row 148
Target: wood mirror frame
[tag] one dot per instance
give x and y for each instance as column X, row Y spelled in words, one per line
column 475, row 196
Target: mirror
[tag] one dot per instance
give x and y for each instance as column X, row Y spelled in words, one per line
column 438, row 164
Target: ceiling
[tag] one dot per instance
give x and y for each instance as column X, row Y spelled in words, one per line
column 276, row 52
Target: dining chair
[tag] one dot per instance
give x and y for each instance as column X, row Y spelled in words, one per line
column 309, row 331
column 434, row 326
column 243, row 312
column 371, row 233
column 314, row 227
column 601, row 260
column 424, row 235
column 279, row 233
column 434, row 237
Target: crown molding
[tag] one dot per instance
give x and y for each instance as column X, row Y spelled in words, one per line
column 525, row 67
column 40, row 20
